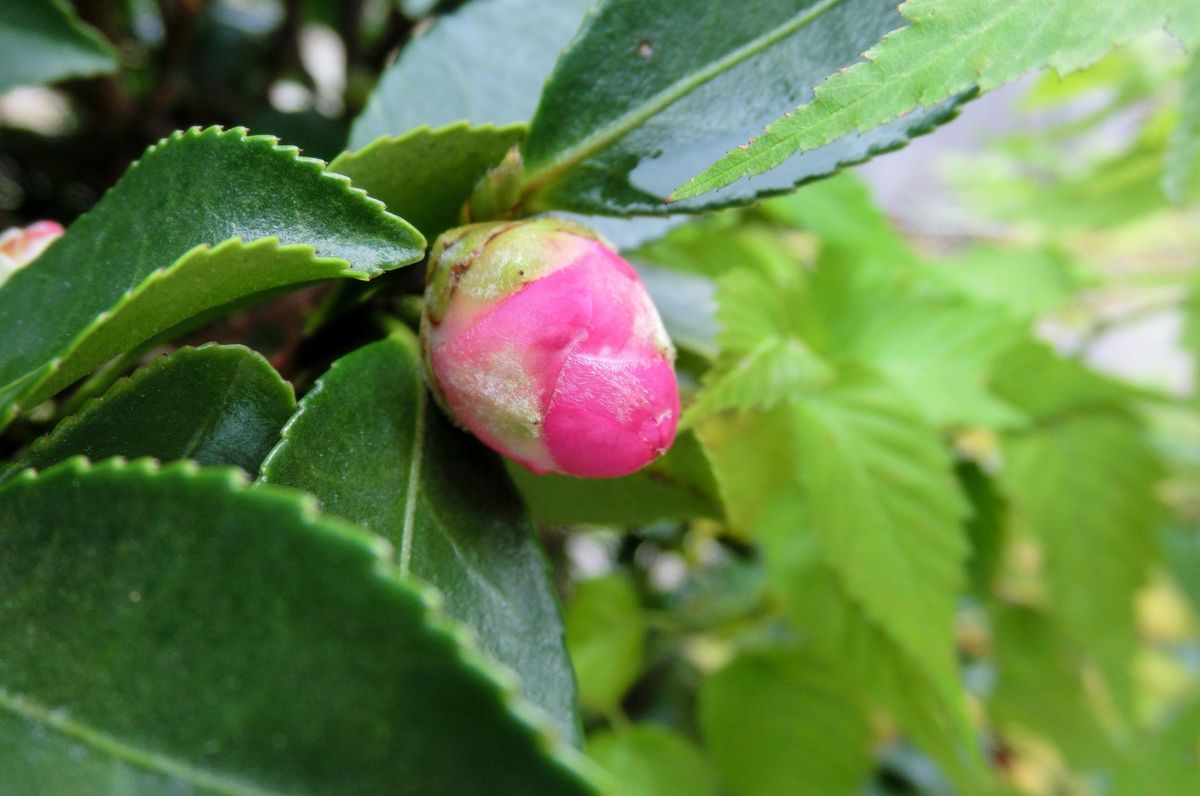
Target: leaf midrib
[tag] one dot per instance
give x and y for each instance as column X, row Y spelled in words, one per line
column 547, row 174
column 414, row 479
column 24, row 708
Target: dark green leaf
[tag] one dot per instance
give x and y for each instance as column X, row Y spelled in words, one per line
column 652, row 90
column 948, row 47
column 781, row 724
column 368, row 444
column 42, row 41
column 985, row 527
column 150, row 257
column 425, row 175
column 484, row 64
column 214, row 405
column 679, row 486
column 228, row 640
column 606, row 634
column 652, row 761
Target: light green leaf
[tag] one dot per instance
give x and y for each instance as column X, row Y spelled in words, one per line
column 938, row 351
column 783, row 724
column 484, row 64
column 1164, row 762
column 652, row 761
column 42, row 41
column 880, row 494
column 679, row 486
column 852, row 497
column 1181, row 180
column 841, row 212
column 650, row 90
column 1025, row 282
column 606, row 633
column 214, row 405
column 1084, row 488
column 774, row 370
column 368, row 444
column 426, row 175
column 948, row 47
column 205, row 219
column 1040, row 687
column 930, row 710
column 224, row 639
column 1044, row 385
column 1181, row 553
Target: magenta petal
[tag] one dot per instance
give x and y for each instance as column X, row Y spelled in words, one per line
column 611, row 417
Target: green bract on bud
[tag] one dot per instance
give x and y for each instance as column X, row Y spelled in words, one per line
column 542, row 341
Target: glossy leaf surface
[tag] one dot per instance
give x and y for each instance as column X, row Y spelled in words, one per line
column 227, row 640
column 214, row 405
column 150, row 257
column 651, row 90
column 949, row 46
column 371, row 447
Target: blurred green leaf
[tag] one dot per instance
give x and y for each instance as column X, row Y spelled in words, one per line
column 651, row 90
column 426, row 175
column 484, row 64
column 1182, row 178
column 1165, row 763
column 42, row 41
column 1027, row 282
column 169, row 243
column 930, row 709
column 778, row 722
column 441, row 499
column 606, row 634
column 986, row 527
column 652, row 761
column 948, row 47
column 1181, row 554
column 1040, row 687
column 214, row 405
column 1084, row 487
column 227, row 639
column 1044, row 385
column 939, row 351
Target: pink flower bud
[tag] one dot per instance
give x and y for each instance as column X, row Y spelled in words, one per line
column 543, row 343
column 19, row 247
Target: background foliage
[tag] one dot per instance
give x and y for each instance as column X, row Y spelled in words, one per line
column 923, row 532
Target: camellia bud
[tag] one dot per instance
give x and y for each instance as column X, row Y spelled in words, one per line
column 543, row 343
column 19, row 247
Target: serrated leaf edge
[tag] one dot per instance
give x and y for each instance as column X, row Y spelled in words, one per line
column 131, row 381
column 36, row 378
column 425, row 130
column 305, row 508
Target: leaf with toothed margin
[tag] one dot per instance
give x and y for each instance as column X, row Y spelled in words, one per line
column 204, row 220
column 42, row 41
column 425, row 175
column 651, row 91
column 948, row 47
column 441, row 499
column 205, row 636
column 214, row 405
